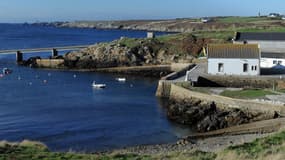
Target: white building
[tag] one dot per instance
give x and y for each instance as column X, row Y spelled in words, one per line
column 272, row 63
column 150, row 35
column 273, row 15
column 270, row 60
column 233, row 59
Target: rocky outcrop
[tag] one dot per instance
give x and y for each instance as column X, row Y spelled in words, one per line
column 134, row 52
column 205, row 116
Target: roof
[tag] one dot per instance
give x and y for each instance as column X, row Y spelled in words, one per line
column 261, row 36
column 250, row 51
column 272, row 55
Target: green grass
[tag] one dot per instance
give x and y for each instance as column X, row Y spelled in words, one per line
column 173, row 37
column 262, row 29
column 261, row 148
column 36, row 151
column 241, row 19
column 129, row 42
column 222, row 35
column 247, row 93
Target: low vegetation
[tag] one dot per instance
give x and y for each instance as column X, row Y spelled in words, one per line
column 247, row 93
column 242, row 19
column 271, row 147
column 182, row 44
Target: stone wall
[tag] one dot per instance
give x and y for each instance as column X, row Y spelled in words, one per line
column 163, row 89
column 266, row 110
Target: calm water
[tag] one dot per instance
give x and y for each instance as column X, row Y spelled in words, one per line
column 66, row 113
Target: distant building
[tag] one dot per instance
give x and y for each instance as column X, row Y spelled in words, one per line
column 273, row 15
column 150, row 35
column 233, row 59
column 206, row 20
column 268, row 41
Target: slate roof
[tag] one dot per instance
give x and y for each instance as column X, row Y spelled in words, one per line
column 248, row 51
column 272, row 55
column 262, row 36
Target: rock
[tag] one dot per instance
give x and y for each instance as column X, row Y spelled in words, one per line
column 205, row 116
column 31, row 62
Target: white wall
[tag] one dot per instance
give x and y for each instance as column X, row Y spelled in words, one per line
column 233, row 66
column 268, row 62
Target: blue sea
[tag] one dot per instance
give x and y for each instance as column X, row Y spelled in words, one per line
column 66, row 113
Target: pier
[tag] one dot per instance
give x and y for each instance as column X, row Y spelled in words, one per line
column 54, row 51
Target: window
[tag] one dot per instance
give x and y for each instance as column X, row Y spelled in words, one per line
column 274, row 62
column 252, row 68
column 245, row 67
column 255, row 68
column 279, row 62
column 221, row 67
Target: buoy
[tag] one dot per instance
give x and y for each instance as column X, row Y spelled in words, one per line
column 19, row 78
column 49, row 74
column 30, row 83
column 45, row 81
column 74, row 76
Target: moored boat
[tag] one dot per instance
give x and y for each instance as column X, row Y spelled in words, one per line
column 121, row 79
column 6, row 71
column 94, row 85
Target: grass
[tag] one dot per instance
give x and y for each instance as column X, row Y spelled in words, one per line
column 271, row 147
column 263, row 29
column 247, row 93
column 241, row 19
column 129, row 42
column 221, row 35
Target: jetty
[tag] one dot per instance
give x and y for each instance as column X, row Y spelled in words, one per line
column 54, row 50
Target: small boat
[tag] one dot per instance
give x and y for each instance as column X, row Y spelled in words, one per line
column 6, row 71
column 98, row 85
column 121, row 79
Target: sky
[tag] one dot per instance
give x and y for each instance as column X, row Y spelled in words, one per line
column 71, row 10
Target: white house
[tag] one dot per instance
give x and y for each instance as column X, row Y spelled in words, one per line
column 272, row 63
column 270, row 60
column 206, row 20
column 273, row 15
column 150, row 35
column 233, row 59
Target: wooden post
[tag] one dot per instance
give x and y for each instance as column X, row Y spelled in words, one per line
column 54, row 52
column 19, row 56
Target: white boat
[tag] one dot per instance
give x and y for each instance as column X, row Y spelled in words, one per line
column 121, row 79
column 6, row 71
column 98, row 85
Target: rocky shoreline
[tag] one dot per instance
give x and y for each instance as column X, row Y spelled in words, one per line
column 211, row 144
column 204, row 116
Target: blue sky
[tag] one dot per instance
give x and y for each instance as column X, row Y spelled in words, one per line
column 59, row 10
